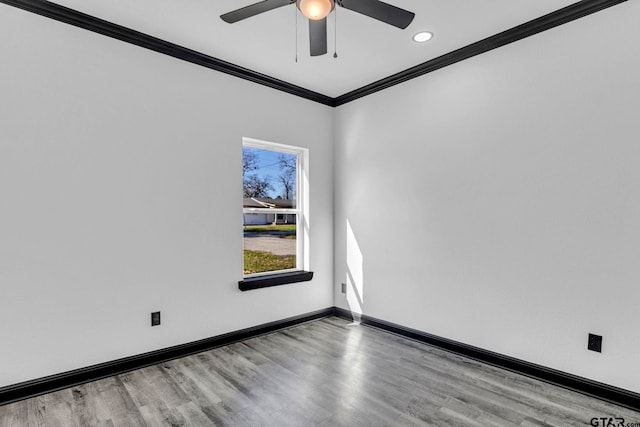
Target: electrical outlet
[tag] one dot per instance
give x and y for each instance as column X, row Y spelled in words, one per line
column 155, row 318
column 344, row 288
column 595, row 343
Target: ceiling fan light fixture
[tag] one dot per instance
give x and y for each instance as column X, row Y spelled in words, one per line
column 315, row 9
column 422, row 36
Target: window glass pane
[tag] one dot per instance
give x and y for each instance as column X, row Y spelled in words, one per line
column 269, row 174
column 269, row 247
column 269, row 182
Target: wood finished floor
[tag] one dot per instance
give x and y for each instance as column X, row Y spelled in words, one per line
column 328, row 372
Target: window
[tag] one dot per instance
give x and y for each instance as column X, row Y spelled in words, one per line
column 275, row 220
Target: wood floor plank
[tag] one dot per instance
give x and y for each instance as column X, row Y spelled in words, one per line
column 58, row 410
column 160, row 377
column 119, row 404
column 329, row 372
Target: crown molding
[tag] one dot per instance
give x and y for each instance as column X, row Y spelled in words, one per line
column 70, row 16
column 538, row 25
column 100, row 26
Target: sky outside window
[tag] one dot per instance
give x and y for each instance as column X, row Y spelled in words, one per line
column 275, row 170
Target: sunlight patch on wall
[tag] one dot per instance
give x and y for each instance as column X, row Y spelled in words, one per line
column 355, row 273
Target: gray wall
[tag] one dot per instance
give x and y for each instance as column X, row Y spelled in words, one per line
column 119, row 172
column 497, row 201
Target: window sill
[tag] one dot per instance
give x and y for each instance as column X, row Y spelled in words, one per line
column 276, row 279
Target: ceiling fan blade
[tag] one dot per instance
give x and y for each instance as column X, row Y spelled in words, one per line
column 381, row 11
column 254, row 9
column 318, row 36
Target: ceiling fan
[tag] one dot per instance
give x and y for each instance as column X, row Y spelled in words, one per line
column 317, row 11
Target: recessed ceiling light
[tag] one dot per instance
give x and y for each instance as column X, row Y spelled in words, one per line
column 422, row 36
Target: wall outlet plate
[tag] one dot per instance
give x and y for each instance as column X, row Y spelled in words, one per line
column 155, row 318
column 344, row 288
column 595, row 343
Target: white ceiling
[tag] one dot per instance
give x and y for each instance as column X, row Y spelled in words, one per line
column 368, row 50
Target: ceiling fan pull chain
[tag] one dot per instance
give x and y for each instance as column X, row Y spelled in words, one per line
column 295, row 15
column 335, row 32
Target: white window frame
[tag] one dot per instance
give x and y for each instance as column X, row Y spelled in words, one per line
column 302, row 202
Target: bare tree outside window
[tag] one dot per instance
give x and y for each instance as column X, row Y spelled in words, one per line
column 253, row 185
column 287, row 176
